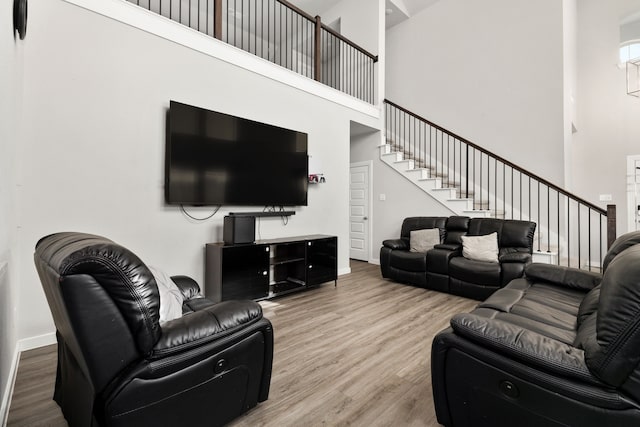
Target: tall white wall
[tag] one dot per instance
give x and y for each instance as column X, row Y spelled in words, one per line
column 11, row 51
column 569, row 53
column 608, row 120
column 95, row 101
column 490, row 71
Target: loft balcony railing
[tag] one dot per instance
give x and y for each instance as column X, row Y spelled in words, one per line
column 279, row 32
column 576, row 231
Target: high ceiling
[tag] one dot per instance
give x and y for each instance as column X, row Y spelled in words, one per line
column 397, row 10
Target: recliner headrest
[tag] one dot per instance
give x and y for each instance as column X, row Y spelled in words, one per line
column 619, row 245
column 119, row 271
column 614, row 352
column 420, row 223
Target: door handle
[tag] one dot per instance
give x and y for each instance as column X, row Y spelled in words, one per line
column 365, row 218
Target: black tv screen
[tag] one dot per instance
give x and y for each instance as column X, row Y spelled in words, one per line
column 218, row 159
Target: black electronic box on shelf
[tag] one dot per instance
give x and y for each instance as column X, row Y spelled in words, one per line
column 269, row 268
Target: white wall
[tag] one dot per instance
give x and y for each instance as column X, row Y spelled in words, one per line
column 94, row 121
column 608, row 120
column 10, row 103
column 569, row 53
column 490, row 71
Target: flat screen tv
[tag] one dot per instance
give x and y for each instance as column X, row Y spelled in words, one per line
column 217, row 159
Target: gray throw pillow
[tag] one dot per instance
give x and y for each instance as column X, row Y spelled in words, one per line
column 423, row 240
column 171, row 297
column 481, row 248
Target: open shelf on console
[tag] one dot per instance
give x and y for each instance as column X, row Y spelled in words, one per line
column 286, row 286
column 269, row 268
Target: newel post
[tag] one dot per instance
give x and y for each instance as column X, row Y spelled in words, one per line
column 217, row 19
column 318, row 36
column 611, row 224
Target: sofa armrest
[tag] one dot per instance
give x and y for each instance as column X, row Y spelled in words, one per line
column 453, row 247
column 207, row 325
column 563, row 276
column 520, row 257
column 396, row 244
column 187, row 286
column 526, row 346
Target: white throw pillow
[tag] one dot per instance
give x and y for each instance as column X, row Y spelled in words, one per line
column 481, row 248
column 423, row 240
column 171, row 297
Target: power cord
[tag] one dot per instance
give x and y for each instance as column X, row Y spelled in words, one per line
column 199, row 219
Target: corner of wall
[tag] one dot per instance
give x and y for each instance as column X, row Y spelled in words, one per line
column 7, row 391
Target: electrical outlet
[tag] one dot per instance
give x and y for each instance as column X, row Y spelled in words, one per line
column 383, row 197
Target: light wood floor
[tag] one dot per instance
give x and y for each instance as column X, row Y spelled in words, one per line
column 358, row 355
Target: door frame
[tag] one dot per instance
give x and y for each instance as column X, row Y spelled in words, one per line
column 631, row 192
column 369, row 227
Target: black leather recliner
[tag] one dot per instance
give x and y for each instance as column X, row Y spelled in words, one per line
column 118, row 366
column 397, row 262
column 479, row 279
column 444, row 269
column 558, row 347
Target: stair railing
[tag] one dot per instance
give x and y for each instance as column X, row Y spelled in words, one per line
column 281, row 33
column 575, row 230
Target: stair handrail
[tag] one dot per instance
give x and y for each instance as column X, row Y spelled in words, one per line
column 503, row 160
column 328, row 29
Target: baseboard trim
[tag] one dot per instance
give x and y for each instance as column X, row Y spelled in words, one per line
column 344, row 271
column 37, row 341
column 22, row 345
column 8, row 390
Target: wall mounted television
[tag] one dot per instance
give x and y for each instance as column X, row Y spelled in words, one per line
column 214, row 158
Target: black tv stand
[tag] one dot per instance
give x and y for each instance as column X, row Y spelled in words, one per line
column 269, row 268
column 257, row 214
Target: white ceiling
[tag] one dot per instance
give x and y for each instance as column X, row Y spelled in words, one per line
column 400, row 9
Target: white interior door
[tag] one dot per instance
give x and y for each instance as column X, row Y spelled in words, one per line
column 359, row 211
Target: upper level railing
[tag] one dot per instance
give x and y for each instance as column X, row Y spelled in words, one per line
column 575, row 230
column 279, row 32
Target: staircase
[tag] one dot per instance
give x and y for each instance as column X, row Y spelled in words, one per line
column 426, row 178
column 471, row 181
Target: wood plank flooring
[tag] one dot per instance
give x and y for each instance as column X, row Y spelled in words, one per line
column 357, row 354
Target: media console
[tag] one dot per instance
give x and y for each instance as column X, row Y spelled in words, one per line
column 269, row 268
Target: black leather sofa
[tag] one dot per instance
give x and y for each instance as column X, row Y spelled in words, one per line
column 444, row 269
column 119, row 366
column 558, row 347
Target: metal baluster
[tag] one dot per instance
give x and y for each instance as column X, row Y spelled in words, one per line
column 495, row 186
column 558, row 209
column 520, row 184
column 512, row 201
column 548, row 219
column 466, row 159
column 589, row 237
column 579, row 240
column 538, row 216
column 568, row 232
column 480, row 198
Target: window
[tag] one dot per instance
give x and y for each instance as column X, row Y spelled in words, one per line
column 629, row 51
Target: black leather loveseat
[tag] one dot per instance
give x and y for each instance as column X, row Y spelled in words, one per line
column 558, row 347
column 445, row 269
column 120, row 365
